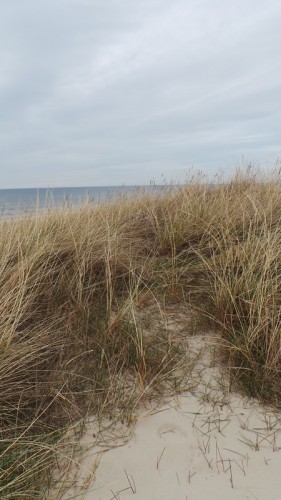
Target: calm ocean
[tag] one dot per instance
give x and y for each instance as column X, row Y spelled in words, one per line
column 14, row 202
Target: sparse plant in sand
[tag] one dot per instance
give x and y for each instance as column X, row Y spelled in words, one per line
column 82, row 310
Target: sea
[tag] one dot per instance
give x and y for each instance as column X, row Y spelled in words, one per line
column 17, row 202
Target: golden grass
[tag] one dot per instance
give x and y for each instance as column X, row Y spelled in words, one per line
column 71, row 282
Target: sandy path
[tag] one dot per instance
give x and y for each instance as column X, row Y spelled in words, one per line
column 208, row 444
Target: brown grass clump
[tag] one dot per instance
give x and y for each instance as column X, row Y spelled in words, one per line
column 72, row 281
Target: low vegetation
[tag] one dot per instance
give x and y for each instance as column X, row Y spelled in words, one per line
column 73, row 281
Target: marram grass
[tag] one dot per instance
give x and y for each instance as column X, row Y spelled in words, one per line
column 71, row 283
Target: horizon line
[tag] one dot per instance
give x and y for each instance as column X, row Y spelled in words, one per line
column 86, row 187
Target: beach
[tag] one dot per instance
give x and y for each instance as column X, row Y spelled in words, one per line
column 140, row 346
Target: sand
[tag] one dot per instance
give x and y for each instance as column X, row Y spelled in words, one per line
column 206, row 444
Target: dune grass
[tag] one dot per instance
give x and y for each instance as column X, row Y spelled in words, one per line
column 72, row 282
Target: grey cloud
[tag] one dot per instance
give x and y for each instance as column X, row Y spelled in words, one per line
column 114, row 91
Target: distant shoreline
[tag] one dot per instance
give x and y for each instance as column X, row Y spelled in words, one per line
column 15, row 202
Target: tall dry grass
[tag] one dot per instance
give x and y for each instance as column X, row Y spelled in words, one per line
column 70, row 285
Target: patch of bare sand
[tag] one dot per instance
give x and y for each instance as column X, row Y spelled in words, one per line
column 205, row 444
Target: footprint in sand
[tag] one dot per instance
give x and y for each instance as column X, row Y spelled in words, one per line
column 170, row 432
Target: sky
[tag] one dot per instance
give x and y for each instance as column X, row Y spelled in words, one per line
column 113, row 92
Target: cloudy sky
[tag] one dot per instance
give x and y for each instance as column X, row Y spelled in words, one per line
column 110, row 92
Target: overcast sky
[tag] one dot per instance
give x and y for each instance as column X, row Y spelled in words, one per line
column 110, row 92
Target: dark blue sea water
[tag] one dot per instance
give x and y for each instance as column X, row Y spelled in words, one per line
column 15, row 202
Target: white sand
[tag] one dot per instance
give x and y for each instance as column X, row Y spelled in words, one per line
column 205, row 445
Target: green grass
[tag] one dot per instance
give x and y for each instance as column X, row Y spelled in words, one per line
column 73, row 283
